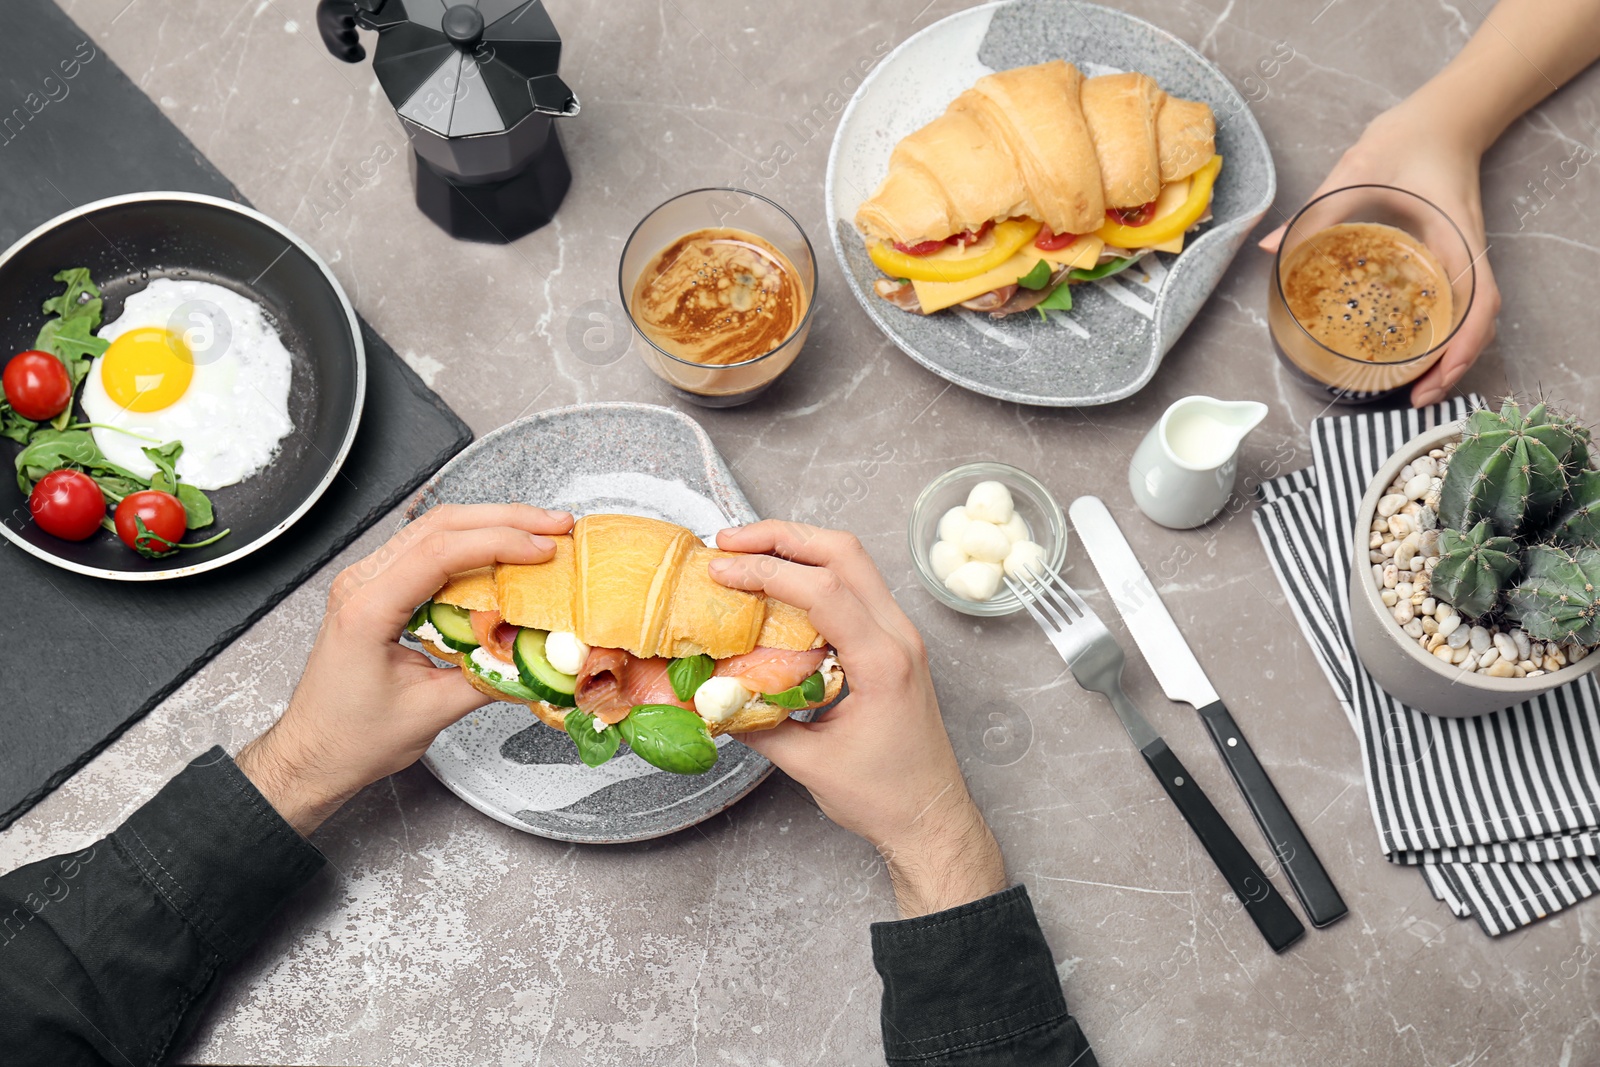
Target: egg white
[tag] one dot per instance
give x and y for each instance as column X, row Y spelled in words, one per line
column 235, row 412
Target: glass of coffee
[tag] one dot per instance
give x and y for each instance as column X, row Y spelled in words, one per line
column 720, row 284
column 1369, row 285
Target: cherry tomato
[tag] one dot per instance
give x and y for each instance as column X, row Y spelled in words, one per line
column 37, row 385
column 163, row 516
column 67, row 504
column 921, row 248
column 1133, row 216
column 967, row 237
column 1053, row 242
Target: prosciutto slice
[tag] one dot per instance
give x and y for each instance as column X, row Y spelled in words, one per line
column 771, row 670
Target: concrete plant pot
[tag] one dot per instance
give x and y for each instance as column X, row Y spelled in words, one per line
column 1396, row 662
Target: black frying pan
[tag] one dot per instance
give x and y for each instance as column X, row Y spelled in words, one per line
column 126, row 242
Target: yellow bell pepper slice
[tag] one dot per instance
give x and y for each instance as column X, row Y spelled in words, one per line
column 1176, row 224
column 954, row 264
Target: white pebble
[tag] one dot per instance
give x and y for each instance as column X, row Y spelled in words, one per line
column 1388, row 505
column 1404, row 589
column 1025, row 557
column 1469, row 662
column 1479, row 637
column 1404, row 612
column 1404, row 553
column 944, row 558
column 1399, row 525
column 1577, row 652
column 1413, row 628
column 1428, row 605
column 1449, row 624
column 1377, row 573
column 1418, row 565
column 984, row 541
column 1444, row 652
column 952, row 522
column 1507, row 647
column 1488, row 656
column 1460, row 655
column 1417, row 486
column 1016, row 528
column 974, row 580
column 1533, row 673
column 1389, row 597
column 1430, row 625
column 1524, row 646
column 1391, row 576
column 991, row 502
column 1458, row 639
column 1425, row 465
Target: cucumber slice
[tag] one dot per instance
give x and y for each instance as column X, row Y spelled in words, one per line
column 419, row 617
column 454, row 625
column 508, row 684
column 550, row 684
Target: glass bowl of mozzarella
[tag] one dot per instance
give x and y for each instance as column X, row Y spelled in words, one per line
column 975, row 524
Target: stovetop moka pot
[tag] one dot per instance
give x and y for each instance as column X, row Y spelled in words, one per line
column 475, row 86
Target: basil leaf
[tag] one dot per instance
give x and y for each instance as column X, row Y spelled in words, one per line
column 594, row 748
column 196, row 505
column 165, row 457
column 689, row 673
column 1037, row 278
column 803, row 695
column 1104, row 270
column 672, row 738
column 1060, row 299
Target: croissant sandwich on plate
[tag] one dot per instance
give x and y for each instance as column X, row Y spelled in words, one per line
column 624, row 636
column 1033, row 179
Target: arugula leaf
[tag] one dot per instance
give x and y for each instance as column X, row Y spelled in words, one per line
column 165, row 457
column 82, row 297
column 1104, row 270
column 689, row 673
column 803, row 695
column 196, row 505
column 51, row 450
column 1038, row 277
column 14, row 426
column 672, row 738
column 1060, row 299
column 594, row 748
column 150, row 544
column 70, row 335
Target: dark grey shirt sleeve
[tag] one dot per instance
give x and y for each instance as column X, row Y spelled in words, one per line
column 106, row 955
column 975, row 986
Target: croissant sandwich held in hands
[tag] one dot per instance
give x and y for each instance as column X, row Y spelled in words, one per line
column 1033, row 179
column 624, row 636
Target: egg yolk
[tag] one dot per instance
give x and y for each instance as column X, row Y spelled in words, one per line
column 147, row 369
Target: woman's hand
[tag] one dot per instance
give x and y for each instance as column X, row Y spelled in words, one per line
column 1412, row 149
column 880, row 763
column 367, row 707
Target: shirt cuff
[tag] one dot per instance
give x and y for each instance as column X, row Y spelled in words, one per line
column 218, row 852
column 962, row 978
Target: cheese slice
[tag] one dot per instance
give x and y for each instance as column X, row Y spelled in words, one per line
column 1173, row 195
column 936, row 296
column 1083, row 253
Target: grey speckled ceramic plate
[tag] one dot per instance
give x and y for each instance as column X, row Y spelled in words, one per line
column 1111, row 342
column 633, row 458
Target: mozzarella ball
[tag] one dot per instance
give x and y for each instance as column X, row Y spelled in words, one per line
column 985, row 541
column 991, row 502
column 1026, row 557
column 1016, row 528
column 944, row 558
column 974, row 580
column 952, row 523
column 565, row 652
column 719, row 699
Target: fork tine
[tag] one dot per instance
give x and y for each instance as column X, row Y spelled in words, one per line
column 1048, row 627
column 1032, row 583
column 1075, row 611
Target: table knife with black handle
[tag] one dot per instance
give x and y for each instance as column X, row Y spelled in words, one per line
column 1184, row 681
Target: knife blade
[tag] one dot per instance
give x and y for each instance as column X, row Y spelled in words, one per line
column 1184, row 680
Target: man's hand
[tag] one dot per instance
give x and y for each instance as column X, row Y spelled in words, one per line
column 880, row 763
column 367, row 707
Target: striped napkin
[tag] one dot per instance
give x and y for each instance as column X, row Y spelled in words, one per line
column 1501, row 813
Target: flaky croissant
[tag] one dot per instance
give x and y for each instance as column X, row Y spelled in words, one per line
column 1042, row 142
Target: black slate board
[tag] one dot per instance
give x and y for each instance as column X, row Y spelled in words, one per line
column 82, row 659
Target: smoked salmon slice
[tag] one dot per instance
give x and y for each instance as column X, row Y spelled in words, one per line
column 493, row 633
column 612, row 683
column 771, row 670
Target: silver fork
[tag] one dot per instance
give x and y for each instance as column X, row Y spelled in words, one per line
column 1096, row 662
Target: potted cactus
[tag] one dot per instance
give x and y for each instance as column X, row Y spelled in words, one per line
column 1477, row 578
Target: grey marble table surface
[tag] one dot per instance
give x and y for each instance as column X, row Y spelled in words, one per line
column 437, row 936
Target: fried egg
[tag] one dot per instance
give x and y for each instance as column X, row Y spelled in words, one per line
column 193, row 362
